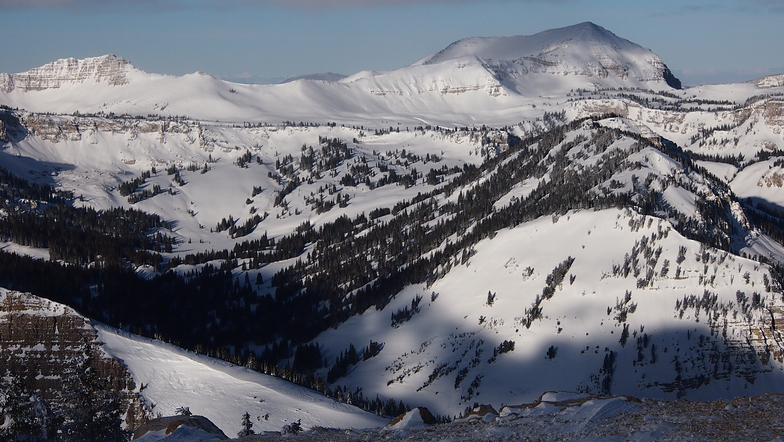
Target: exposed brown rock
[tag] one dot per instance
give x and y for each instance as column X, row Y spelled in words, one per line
column 40, row 341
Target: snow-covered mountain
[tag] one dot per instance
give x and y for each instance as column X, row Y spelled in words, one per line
column 770, row 81
column 472, row 80
column 46, row 344
column 508, row 216
column 585, row 50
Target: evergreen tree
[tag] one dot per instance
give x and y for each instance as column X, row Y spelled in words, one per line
column 23, row 415
column 293, row 428
column 246, row 426
column 91, row 410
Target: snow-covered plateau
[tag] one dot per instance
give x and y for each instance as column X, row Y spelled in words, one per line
column 508, row 217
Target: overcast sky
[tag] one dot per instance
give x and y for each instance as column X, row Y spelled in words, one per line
column 268, row 40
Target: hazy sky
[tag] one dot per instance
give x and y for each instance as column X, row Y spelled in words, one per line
column 701, row 41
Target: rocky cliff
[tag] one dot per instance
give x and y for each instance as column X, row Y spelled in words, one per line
column 108, row 69
column 50, row 349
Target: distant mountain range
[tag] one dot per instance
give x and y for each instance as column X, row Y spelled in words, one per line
column 472, row 79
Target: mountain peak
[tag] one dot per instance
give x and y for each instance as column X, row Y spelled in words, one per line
column 589, row 27
column 582, row 49
column 109, row 69
column 515, row 47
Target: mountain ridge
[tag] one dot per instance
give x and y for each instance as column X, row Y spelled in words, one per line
column 506, row 75
column 518, row 46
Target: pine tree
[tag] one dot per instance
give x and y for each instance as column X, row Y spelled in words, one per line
column 293, row 428
column 252, row 362
column 92, row 411
column 23, row 415
column 246, row 426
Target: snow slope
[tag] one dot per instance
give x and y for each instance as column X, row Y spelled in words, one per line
column 445, row 356
column 455, row 337
column 171, row 378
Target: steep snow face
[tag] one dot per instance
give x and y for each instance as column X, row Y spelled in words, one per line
column 108, row 69
column 584, row 49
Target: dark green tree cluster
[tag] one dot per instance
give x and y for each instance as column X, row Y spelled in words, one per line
column 82, row 235
column 128, row 187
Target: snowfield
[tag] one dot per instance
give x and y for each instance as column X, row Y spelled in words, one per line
column 171, row 378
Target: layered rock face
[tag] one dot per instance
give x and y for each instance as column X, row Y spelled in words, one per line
column 43, row 343
column 108, row 69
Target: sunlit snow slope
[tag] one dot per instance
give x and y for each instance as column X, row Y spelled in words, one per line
column 172, row 378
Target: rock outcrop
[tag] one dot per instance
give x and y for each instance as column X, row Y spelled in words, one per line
column 168, row 425
column 45, row 345
column 419, row 417
column 108, row 69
